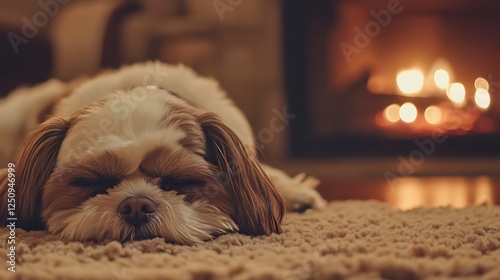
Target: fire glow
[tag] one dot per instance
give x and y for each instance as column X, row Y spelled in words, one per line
column 454, row 108
column 410, row 81
column 441, row 78
column 408, row 112
column 456, row 93
column 433, row 115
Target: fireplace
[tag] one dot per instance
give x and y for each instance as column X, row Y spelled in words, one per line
column 385, row 77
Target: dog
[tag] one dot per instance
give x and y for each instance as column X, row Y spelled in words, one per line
column 149, row 150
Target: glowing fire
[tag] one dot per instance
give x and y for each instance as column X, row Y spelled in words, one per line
column 441, row 78
column 433, row 115
column 482, row 98
column 410, row 81
column 481, row 83
column 456, row 93
column 391, row 113
column 451, row 112
column 408, row 112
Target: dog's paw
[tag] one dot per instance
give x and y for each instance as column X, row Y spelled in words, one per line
column 301, row 194
column 302, row 180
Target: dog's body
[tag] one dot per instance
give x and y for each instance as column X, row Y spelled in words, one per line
column 150, row 150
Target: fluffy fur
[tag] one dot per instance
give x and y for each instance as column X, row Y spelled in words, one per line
column 156, row 133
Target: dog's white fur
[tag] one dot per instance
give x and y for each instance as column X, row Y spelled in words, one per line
column 119, row 113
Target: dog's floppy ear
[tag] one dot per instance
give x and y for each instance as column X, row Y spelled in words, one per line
column 258, row 208
column 34, row 164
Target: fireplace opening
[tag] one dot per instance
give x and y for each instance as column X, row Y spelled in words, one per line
column 383, row 78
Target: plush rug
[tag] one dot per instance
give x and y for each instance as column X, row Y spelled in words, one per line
column 347, row 240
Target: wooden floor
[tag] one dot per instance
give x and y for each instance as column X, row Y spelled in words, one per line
column 411, row 192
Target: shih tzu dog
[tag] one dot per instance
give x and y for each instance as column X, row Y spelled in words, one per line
column 150, row 150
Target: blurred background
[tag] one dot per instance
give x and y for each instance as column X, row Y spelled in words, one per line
column 380, row 99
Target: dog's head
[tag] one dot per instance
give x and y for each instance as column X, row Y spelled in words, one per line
column 140, row 164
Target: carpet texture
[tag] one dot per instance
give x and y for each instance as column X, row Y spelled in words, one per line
column 347, row 240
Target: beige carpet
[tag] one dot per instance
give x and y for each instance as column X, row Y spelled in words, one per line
column 347, row 240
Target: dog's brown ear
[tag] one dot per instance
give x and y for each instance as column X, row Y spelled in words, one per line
column 34, row 164
column 258, row 207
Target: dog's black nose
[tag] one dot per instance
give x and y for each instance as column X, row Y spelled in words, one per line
column 136, row 209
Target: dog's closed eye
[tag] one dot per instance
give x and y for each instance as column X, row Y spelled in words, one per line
column 171, row 183
column 96, row 185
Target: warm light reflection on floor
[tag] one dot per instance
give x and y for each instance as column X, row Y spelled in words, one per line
column 411, row 192
column 407, row 193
